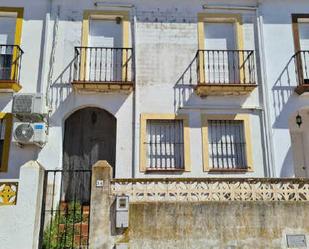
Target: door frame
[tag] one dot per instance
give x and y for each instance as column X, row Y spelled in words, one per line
column 104, row 15
column 219, row 18
column 71, row 112
column 297, row 48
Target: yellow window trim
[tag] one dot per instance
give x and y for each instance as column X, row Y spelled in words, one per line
column 18, row 32
column 219, row 18
column 7, row 140
column 105, row 15
column 247, row 131
column 143, row 137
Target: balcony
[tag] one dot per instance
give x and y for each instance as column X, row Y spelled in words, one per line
column 103, row 69
column 301, row 60
column 225, row 72
column 10, row 65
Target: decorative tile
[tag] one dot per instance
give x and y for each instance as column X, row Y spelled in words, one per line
column 8, row 193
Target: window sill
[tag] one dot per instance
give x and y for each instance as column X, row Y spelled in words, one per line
column 153, row 170
column 229, row 171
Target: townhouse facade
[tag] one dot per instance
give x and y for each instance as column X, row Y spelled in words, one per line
column 190, row 91
column 186, row 101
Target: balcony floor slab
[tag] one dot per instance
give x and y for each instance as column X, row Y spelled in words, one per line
column 125, row 87
column 304, row 88
column 9, row 86
column 204, row 90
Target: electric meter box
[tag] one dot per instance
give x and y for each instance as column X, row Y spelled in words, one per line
column 122, row 211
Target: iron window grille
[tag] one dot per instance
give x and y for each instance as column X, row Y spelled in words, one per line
column 227, row 144
column 5, row 66
column 165, row 145
column 10, row 62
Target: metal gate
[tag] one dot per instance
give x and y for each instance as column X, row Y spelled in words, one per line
column 65, row 215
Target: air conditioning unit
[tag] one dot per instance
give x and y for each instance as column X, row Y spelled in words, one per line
column 28, row 103
column 29, row 133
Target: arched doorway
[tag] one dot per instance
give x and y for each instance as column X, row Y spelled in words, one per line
column 89, row 136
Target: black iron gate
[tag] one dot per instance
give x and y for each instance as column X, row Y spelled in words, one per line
column 65, row 210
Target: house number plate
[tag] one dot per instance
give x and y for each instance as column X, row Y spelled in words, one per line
column 99, row 183
column 296, row 241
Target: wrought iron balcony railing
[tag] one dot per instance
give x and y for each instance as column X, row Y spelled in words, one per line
column 226, row 67
column 103, row 65
column 10, row 63
column 301, row 60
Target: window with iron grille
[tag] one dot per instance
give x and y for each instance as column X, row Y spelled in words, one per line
column 165, row 145
column 227, row 145
column 5, row 66
column 8, row 25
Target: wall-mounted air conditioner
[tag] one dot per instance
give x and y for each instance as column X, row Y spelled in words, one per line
column 28, row 103
column 30, row 133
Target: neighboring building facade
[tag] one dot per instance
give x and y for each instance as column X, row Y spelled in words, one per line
column 160, row 88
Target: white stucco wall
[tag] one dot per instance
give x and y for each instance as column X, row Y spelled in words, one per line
column 283, row 102
column 20, row 223
column 164, row 36
column 166, row 43
column 30, row 76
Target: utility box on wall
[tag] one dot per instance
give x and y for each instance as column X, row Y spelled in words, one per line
column 122, row 211
column 121, row 246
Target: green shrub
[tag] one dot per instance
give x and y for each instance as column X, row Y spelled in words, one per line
column 60, row 231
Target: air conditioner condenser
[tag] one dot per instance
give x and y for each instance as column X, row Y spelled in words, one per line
column 29, row 133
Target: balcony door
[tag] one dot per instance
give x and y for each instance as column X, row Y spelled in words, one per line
column 303, row 27
column 300, row 24
column 7, row 37
column 220, row 43
column 104, row 60
column 304, row 35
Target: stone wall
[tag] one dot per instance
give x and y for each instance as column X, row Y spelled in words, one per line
column 215, row 225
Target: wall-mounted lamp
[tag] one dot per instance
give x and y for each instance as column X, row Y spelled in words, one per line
column 299, row 120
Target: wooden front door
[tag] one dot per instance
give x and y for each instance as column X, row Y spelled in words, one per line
column 89, row 136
